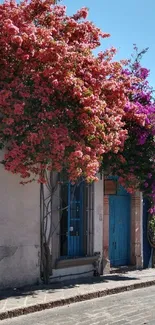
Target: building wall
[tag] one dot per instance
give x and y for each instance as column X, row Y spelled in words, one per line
column 136, row 230
column 98, row 220
column 106, row 261
column 19, row 231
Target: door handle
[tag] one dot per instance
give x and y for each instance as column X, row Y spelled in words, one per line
column 115, row 244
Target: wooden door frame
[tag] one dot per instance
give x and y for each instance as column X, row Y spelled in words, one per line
column 118, row 255
column 135, row 235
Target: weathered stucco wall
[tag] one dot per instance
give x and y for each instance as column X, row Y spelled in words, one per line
column 98, row 220
column 136, row 230
column 19, row 231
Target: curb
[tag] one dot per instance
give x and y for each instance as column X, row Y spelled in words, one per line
column 79, row 298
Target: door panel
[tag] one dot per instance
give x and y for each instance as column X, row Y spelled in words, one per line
column 119, row 227
column 71, row 224
column 75, row 220
column 146, row 245
column 112, row 229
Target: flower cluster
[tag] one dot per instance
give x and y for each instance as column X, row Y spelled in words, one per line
column 136, row 163
column 60, row 106
column 63, row 108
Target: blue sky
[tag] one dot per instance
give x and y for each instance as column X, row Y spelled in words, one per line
column 128, row 22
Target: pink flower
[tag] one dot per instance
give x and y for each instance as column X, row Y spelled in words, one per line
column 9, row 121
column 82, row 13
column 18, row 109
column 88, row 149
column 17, row 40
column 25, row 57
column 7, row 131
column 12, row 29
column 78, row 154
column 55, row 83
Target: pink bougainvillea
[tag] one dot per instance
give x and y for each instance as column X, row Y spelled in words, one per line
column 60, row 106
column 136, row 163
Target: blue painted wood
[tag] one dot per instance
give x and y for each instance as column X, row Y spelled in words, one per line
column 119, row 227
column 69, row 216
column 119, row 216
column 75, row 220
column 146, row 245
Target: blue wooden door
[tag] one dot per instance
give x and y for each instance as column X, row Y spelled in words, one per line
column 75, row 219
column 119, row 228
column 146, row 245
column 71, row 222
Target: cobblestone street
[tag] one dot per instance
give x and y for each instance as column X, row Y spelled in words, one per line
column 135, row 307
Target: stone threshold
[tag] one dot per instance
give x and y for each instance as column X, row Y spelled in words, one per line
column 80, row 261
column 123, row 269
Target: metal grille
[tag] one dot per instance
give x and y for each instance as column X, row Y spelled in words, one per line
column 76, row 225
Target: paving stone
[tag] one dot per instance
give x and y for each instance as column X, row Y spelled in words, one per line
column 85, row 287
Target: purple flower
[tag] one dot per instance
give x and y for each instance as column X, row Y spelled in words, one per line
column 127, row 107
column 152, row 210
column 142, row 138
column 126, row 72
column 144, row 73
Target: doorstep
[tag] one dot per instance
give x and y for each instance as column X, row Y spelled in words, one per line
column 122, row 269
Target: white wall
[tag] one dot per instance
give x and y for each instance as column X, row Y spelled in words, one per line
column 19, row 231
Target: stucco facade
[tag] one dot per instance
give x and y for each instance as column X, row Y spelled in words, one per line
column 19, row 231
column 20, row 240
column 20, row 244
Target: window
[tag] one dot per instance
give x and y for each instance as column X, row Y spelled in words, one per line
column 76, row 219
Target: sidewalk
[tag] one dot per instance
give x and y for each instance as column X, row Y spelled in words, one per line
column 16, row 302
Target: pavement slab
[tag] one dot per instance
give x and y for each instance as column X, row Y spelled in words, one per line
column 133, row 308
column 15, row 302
